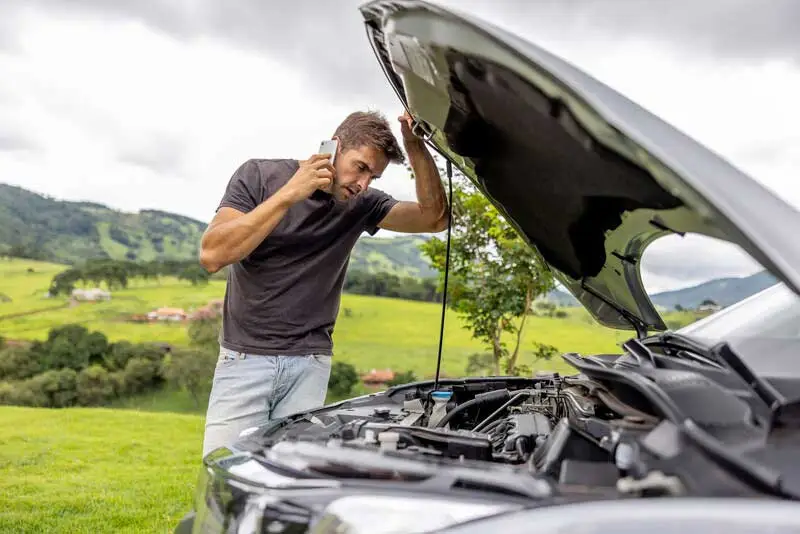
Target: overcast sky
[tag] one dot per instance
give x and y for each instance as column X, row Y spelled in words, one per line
column 153, row 104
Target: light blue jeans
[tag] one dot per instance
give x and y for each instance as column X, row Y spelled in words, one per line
column 250, row 390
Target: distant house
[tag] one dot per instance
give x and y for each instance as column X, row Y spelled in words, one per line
column 377, row 377
column 91, row 295
column 709, row 308
column 167, row 314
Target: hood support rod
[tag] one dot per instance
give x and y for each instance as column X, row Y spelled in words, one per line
column 449, row 167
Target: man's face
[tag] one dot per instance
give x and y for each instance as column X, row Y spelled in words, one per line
column 355, row 170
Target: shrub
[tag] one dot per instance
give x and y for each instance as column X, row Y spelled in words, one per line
column 118, row 355
column 343, row 378
column 190, row 370
column 94, row 386
column 21, row 394
column 561, row 314
column 17, row 363
column 402, row 378
column 480, row 364
column 545, row 308
column 141, row 374
column 57, row 387
column 8, row 393
column 117, row 379
column 121, row 352
column 204, row 333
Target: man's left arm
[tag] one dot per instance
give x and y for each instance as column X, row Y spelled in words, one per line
column 429, row 212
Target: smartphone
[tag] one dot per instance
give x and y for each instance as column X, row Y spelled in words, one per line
column 329, row 146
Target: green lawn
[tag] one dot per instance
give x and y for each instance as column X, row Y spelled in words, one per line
column 96, row 470
column 132, row 467
column 26, row 290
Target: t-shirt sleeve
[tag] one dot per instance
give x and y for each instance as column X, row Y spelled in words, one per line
column 244, row 190
column 377, row 205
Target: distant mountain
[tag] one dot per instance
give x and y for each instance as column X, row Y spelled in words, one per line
column 54, row 230
column 723, row 291
column 71, row 232
column 397, row 255
column 562, row 298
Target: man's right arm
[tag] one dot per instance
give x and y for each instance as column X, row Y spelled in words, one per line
column 233, row 234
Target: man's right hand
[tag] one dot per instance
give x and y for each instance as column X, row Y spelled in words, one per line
column 314, row 173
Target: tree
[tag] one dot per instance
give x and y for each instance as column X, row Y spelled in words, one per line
column 494, row 275
column 195, row 274
column 94, row 386
column 204, row 333
column 708, row 302
column 17, row 363
column 191, row 370
column 70, row 346
column 342, row 379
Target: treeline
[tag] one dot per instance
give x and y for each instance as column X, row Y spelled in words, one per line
column 75, row 367
column 390, row 285
column 118, row 273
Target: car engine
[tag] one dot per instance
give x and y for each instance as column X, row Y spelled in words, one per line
column 570, row 430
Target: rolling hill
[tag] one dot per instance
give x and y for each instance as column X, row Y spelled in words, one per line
column 53, row 230
column 43, row 228
column 397, row 255
column 723, row 291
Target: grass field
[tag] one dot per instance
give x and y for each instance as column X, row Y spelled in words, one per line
column 96, row 470
column 132, row 467
column 371, row 332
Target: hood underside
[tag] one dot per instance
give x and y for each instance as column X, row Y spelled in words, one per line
column 586, row 176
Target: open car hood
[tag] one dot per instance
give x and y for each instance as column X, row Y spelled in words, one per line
column 586, row 176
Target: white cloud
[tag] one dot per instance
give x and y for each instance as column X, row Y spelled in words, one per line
column 145, row 121
column 112, row 110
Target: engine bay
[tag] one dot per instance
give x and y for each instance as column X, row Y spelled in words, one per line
column 618, row 428
column 569, row 430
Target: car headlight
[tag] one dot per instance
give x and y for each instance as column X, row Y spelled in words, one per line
column 379, row 514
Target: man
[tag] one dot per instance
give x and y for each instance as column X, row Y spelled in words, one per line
column 286, row 228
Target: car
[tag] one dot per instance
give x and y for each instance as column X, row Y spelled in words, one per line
column 697, row 428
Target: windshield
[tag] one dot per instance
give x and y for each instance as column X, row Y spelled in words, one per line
column 773, row 313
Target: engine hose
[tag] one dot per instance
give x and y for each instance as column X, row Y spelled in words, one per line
column 500, row 410
column 479, row 399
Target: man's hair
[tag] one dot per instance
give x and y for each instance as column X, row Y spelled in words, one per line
column 372, row 129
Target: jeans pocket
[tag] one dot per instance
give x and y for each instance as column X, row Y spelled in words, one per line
column 320, row 360
column 228, row 357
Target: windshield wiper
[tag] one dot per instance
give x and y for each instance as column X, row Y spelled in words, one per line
column 688, row 349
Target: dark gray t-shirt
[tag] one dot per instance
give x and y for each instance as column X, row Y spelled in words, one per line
column 283, row 298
